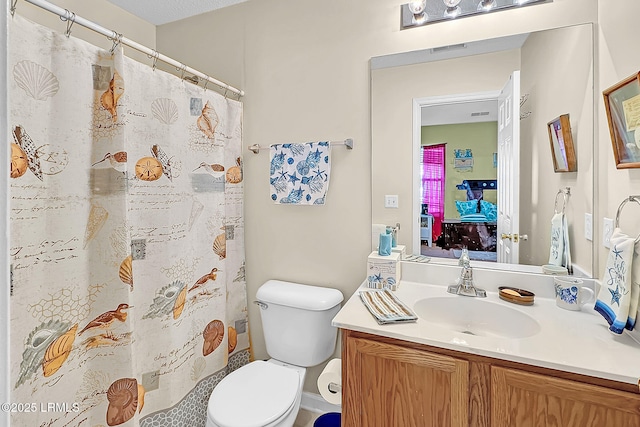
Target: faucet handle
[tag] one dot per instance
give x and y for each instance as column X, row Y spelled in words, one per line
column 464, row 257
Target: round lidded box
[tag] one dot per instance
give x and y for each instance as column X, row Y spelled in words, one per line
column 516, row 296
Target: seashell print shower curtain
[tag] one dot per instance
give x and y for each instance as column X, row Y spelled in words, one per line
column 128, row 294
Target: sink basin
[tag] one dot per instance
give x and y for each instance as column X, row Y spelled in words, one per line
column 476, row 316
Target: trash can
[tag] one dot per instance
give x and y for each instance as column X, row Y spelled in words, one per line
column 330, row 419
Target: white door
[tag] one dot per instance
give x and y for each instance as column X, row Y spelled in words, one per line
column 508, row 170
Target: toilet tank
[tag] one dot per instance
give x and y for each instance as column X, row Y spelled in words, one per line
column 296, row 321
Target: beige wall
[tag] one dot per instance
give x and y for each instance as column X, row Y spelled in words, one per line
column 305, row 72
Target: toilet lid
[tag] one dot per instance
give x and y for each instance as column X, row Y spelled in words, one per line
column 255, row 395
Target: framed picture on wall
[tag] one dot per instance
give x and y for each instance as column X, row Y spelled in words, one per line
column 562, row 150
column 622, row 103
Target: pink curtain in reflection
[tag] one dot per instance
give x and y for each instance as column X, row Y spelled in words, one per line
column 433, row 176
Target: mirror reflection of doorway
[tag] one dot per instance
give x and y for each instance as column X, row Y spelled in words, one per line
column 458, row 190
column 459, row 170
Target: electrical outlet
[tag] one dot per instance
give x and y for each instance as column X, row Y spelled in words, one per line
column 607, row 231
column 391, row 201
column 588, row 226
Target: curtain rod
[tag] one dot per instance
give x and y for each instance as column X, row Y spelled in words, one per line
column 117, row 38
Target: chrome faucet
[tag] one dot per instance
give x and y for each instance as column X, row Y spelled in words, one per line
column 464, row 285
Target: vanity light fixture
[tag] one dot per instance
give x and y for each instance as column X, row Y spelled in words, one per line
column 421, row 12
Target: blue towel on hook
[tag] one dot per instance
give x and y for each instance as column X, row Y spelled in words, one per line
column 299, row 173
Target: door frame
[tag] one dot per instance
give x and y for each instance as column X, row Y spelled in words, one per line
column 431, row 101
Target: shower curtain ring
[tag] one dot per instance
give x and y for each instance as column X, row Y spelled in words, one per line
column 70, row 17
column 183, row 68
column 206, row 82
column 13, row 7
column 117, row 39
column 226, row 90
column 155, row 56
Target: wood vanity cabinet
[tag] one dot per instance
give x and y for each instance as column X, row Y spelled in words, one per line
column 393, row 383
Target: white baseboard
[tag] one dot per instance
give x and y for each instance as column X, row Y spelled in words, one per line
column 313, row 402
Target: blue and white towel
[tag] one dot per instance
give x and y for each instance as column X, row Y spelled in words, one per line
column 614, row 300
column 560, row 251
column 300, row 173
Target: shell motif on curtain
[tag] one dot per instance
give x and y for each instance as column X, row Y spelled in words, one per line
column 128, row 294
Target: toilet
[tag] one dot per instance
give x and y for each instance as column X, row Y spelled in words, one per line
column 296, row 321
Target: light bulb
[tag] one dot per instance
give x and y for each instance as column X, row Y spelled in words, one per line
column 417, row 7
column 486, row 5
column 453, row 10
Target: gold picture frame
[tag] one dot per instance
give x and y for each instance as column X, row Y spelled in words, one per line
column 622, row 103
column 562, row 150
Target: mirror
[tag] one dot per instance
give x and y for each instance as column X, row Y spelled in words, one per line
column 556, row 78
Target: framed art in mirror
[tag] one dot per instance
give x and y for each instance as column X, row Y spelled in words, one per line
column 622, row 103
column 562, row 149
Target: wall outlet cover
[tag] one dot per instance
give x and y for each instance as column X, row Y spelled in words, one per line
column 607, row 231
column 391, row 201
column 588, row 226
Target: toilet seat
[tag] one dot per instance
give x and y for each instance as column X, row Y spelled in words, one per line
column 256, row 395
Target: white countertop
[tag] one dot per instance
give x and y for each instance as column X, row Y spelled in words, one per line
column 572, row 341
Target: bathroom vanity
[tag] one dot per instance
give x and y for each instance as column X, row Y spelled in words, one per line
column 522, row 366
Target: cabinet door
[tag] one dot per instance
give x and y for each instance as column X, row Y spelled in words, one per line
column 391, row 386
column 522, row 399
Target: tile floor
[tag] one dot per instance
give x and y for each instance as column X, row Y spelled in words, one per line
column 306, row 418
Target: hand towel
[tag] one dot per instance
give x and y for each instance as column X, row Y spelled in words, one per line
column 614, row 298
column 635, row 287
column 556, row 251
column 566, row 257
column 560, row 251
column 299, row 173
column 386, row 308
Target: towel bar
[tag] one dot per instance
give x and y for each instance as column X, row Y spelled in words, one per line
column 347, row 142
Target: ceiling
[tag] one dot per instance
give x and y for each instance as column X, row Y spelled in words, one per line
column 160, row 12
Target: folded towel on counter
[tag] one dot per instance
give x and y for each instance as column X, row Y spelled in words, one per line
column 299, row 173
column 614, row 298
column 386, row 308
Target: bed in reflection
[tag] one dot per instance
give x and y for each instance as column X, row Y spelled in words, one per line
column 475, row 229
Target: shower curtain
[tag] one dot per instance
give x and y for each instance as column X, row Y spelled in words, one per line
column 128, row 294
